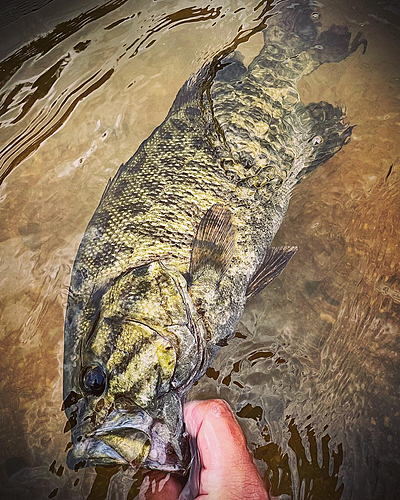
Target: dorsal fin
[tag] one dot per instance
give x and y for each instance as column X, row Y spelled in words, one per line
column 232, row 68
column 274, row 262
column 106, row 190
column 213, row 244
column 111, row 182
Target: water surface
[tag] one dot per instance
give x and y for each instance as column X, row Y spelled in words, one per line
column 313, row 372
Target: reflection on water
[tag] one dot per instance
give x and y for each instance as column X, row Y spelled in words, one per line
column 313, row 371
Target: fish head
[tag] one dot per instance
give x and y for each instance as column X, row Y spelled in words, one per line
column 124, row 395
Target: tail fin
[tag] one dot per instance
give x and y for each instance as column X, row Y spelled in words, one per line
column 294, row 46
column 270, row 139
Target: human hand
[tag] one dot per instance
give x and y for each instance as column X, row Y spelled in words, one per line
column 227, row 472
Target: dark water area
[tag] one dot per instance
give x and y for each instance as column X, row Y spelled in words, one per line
column 313, row 372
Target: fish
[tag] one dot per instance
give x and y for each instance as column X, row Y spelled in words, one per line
column 182, row 239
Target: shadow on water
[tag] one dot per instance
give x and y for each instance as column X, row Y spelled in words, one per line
column 313, row 371
column 318, row 476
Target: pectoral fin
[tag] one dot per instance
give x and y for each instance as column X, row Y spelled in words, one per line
column 213, row 245
column 273, row 264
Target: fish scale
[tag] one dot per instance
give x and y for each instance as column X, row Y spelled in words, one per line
column 181, row 240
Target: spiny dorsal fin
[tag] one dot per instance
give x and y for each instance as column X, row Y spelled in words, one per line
column 106, row 190
column 111, row 182
column 213, row 244
column 274, row 262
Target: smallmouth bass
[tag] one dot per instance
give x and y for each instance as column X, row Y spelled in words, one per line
column 181, row 240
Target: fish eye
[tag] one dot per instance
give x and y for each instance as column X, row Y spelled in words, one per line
column 315, row 15
column 93, row 380
column 316, row 140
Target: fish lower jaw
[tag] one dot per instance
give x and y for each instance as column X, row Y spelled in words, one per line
column 91, row 452
column 129, row 446
column 125, row 446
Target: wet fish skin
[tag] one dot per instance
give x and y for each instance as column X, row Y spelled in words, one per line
column 181, row 240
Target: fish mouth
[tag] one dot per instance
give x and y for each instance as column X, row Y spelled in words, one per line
column 137, row 441
column 91, row 452
column 127, row 446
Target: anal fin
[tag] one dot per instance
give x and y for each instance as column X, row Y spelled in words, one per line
column 274, row 262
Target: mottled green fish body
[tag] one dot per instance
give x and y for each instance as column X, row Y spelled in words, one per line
column 182, row 238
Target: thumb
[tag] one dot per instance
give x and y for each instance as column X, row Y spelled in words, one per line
column 228, row 468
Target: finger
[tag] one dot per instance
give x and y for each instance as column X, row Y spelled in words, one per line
column 158, row 485
column 217, row 432
column 228, row 468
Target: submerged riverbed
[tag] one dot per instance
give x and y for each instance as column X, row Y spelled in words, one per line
column 313, row 372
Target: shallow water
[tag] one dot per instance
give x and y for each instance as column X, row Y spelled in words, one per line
column 313, row 372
